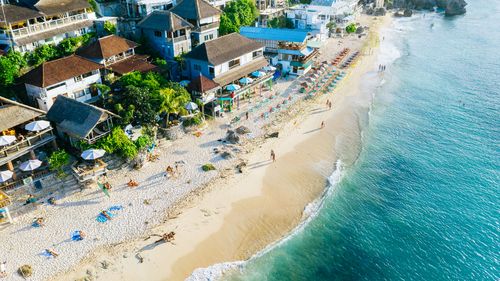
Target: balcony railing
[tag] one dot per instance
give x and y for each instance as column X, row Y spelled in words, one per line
column 43, row 26
column 177, row 39
column 30, row 142
column 85, row 173
column 207, row 27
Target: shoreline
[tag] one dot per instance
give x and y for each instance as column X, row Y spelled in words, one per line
column 234, row 218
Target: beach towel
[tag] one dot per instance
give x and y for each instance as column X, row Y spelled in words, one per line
column 102, row 219
column 75, row 236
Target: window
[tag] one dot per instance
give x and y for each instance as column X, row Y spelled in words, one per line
column 79, row 94
column 211, row 70
column 55, row 86
column 257, row 54
column 157, row 33
column 234, row 63
column 197, row 67
column 208, row 37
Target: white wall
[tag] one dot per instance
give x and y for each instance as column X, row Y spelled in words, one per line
column 45, row 98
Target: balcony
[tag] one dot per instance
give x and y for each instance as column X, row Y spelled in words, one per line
column 83, row 172
column 178, row 39
column 48, row 25
column 206, row 27
column 19, row 148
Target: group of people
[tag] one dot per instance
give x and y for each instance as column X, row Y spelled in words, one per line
column 381, row 67
column 329, row 104
column 172, row 172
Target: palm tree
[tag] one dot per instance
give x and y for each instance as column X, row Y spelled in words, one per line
column 168, row 102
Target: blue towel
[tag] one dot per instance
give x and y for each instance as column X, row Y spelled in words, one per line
column 75, row 236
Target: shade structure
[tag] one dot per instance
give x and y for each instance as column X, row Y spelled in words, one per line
column 246, row 80
column 6, row 140
column 233, row 87
column 258, row 74
column 191, row 106
column 5, row 175
column 30, row 165
column 269, row 68
column 92, row 154
column 36, row 126
column 184, row 83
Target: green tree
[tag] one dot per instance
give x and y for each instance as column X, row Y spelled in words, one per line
column 144, row 105
column 281, row 22
column 331, row 27
column 58, row 160
column 42, row 54
column 109, row 27
column 10, row 68
column 118, row 142
column 236, row 14
column 351, row 28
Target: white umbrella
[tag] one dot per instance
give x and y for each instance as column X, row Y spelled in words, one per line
column 30, row 165
column 36, row 126
column 191, row 106
column 6, row 140
column 5, row 175
column 92, row 154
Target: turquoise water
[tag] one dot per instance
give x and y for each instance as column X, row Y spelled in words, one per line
column 422, row 202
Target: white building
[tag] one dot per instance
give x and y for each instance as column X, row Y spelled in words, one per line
column 141, row 8
column 71, row 77
column 25, row 25
column 316, row 16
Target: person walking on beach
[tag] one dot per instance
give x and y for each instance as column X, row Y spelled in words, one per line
column 273, row 156
column 322, row 124
column 329, row 105
column 246, row 115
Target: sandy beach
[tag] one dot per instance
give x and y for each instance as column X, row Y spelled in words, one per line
column 218, row 216
column 237, row 216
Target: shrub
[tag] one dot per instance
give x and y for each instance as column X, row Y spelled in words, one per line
column 58, row 160
column 118, row 142
column 143, row 142
column 109, row 27
column 193, row 121
column 351, row 28
column 208, row 167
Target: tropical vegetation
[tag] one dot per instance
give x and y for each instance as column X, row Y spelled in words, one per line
column 236, row 14
column 58, row 160
column 351, row 28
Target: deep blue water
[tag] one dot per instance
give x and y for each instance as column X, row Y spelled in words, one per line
column 422, row 202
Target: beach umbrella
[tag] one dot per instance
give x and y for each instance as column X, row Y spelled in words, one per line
column 269, row 68
column 191, row 106
column 5, row 175
column 232, row 87
column 6, row 140
column 258, row 74
column 92, row 154
column 30, row 165
column 184, row 83
column 36, row 126
column 246, row 80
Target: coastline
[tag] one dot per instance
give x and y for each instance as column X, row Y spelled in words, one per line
column 233, row 218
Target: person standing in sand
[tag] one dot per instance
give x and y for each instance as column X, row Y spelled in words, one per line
column 322, row 124
column 273, row 156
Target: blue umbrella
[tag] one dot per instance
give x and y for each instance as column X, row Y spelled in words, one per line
column 246, row 80
column 258, row 74
column 184, row 83
column 232, row 87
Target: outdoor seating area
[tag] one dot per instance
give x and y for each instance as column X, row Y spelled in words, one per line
column 88, row 170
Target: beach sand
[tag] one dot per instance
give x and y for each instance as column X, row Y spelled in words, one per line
column 242, row 214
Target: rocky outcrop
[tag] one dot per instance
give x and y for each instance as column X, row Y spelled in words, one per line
column 455, row 7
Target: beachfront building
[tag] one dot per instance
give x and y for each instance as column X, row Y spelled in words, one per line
column 204, row 17
column 117, row 55
column 269, row 9
column 27, row 24
column 72, row 76
column 138, row 9
column 20, row 143
column 204, row 90
column 167, row 33
column 317, row 16
column 226, row 60
column 287, row 47
column 77, row 121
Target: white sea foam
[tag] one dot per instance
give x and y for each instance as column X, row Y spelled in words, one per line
column 217, row 271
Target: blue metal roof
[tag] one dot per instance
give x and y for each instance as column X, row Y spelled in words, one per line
column 275, row 34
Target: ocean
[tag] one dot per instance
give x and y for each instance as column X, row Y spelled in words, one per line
column 422, row 200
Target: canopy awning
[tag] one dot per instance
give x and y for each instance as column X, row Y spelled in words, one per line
column 240, row 71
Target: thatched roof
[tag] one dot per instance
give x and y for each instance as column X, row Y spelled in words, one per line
column 195, row 9
column 75, row 118
column 55, row 71
column 224, row 49
column 164, row 20
column 106, row 47
column 13, row 113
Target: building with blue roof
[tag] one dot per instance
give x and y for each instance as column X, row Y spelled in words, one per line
column 270, row 37
column 287, row 47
